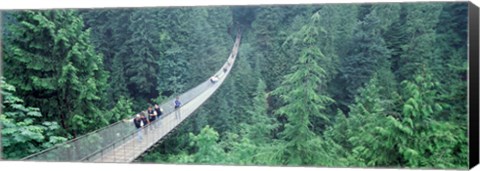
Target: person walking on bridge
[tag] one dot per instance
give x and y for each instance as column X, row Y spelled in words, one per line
column 177, row 104
column 145, row 122
column 139, row 124
column 214, row 79
column 159, row 111
column 152, row 115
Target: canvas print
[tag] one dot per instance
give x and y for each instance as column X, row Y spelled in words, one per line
column 379, row 85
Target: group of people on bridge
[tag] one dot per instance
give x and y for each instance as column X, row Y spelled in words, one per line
column 153, row 113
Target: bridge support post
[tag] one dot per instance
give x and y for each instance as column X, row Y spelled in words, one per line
column 114, row 153
column 124, row 146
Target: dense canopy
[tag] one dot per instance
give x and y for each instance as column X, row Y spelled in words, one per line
column 360, row 85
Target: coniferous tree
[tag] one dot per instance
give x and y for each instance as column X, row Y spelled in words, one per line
column 261, row 128
column 207, row 149
column 422, row 140
column 451, row 70
column 210, row 43
column 174, row 51
column 50, row 59
column 22, row 132
column 268, row 40
column 367, row 56
column 302, row 99
column 388, row 15
column 396, row 37
column 245, row 85
column 254, row 143
column 419, row 47
column 109, row 28
column 335, row 31
column 141, row 55
column 104, row 27
column 343, row 19
column 117, row 81
column 367, row 138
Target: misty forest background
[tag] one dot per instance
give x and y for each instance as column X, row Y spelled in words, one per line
column 381, row 85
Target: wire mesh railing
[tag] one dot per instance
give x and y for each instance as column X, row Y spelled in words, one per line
column 120, row 141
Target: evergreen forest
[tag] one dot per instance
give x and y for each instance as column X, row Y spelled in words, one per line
column 332, row 85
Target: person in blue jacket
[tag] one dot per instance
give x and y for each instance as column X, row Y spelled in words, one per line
column 177, row 104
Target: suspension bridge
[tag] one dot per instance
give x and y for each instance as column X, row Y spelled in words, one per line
column 119, row 142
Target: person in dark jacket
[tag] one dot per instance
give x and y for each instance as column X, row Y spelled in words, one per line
column 159, row 110
column 152, row 114
column 139, row 123
column 145, row 120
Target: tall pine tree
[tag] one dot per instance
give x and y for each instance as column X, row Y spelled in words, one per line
column 368, row 55
column 303, row 99
column 50, row 59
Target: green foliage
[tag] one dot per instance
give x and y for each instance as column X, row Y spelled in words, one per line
column 141, row 54
column 418, row 29
column 122, row 110
column 22, row 132
column 260, row 129
column 207, row 149
column 253, row 144
column 243, row 151
column 268, row 34
column 109, row 28
column 358, row 55
column 51, row 61
column 302, row 99
column 397, row 73
column 367, row 56
column 370, row 141
column 451, row 67
column 388, row 13
column 418, row 125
